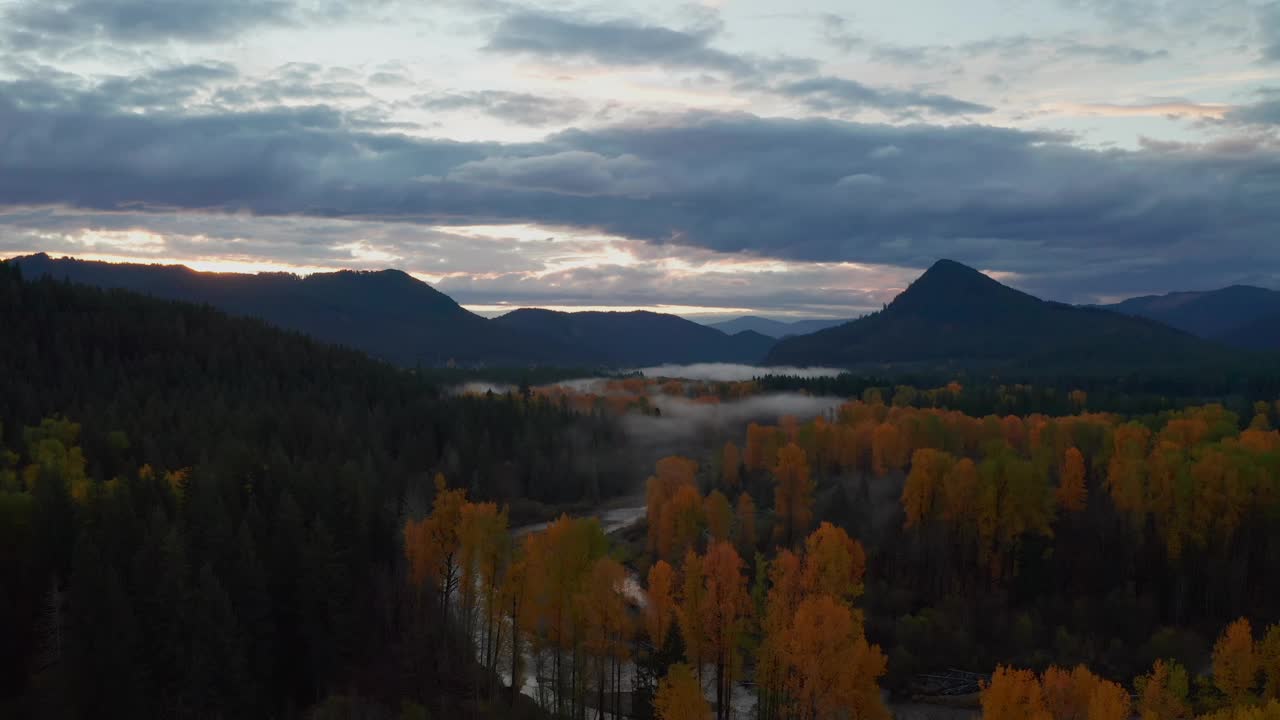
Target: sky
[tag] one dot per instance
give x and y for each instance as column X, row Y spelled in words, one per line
column 715, row 158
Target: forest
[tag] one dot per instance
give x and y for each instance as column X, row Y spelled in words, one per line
column 204, row 516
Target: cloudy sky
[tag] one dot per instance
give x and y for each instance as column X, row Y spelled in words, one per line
column 795, row 159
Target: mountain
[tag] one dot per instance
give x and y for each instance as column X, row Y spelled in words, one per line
column 640, row 338
column 388, row 314
column 1261, row 333
column 1208, row 314
column 954, row 315
column 773, row 328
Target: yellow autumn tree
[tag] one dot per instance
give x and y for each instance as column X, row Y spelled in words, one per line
column 679, row 696
column 1013, row 695
column 831, row 670
column 1235, row 662
column 660, row 608
column 793, row 495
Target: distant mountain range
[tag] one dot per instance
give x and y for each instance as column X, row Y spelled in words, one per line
column 773, row 328
column 640, row 338
column 952, row 316
column 956, row 316
column 394, row 316
column 1240, row 315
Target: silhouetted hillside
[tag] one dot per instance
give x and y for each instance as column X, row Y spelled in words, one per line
column 640, row 338
column 1215, row 314
column 388, row 313
column 773, row 328
column 955, row 315
column 1261, row 333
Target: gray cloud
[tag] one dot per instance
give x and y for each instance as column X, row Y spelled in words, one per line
column 1269, row 30
column 835, row 31
column 35, row 24
column 1003, row 199
column 571, row 172
column 825, row 94
column 518, row 108
column 624, row 43
column 1013, row 48
column 1264, row 112
column 1116, row 54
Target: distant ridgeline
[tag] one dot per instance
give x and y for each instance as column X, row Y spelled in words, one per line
column 958, row 318
column 952, row 319
column 394, row 316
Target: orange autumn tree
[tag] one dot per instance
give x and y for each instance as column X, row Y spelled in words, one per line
column 928, row 468
column 432, row 544
column 1269, row 658
column 719, row 516
column 745, row 525
column 831, row 670
column 793, row 495
column 1013, row 695
column 679, row 696
column 682, row 523
column 607, row 633
column 834, row 564
column 1067, row 694
column 888, row 449
column 725, row 614
column 783, row 597
column 691, row 613
column 1235, row 662
column 1072, row 494
column 560, row 564
column 660, row 607
column 814, row 661
column 671, row 474
column 1109, row 701
column 762, row 447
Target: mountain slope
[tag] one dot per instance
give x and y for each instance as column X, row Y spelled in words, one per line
column 773, row 328
column 1209, row 314
column 954, row 315
column 1262, row 333
column 388, row 313
column 640, row 338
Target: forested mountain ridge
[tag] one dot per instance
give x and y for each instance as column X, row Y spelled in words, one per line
column 773, row 328
column 1239, row 315
column 208, row 508
column 954, row 315
column 640, row 338
column 388, row 314
column 394, row 316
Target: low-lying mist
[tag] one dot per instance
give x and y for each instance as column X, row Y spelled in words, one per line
column 727, row 372
column 687, row 427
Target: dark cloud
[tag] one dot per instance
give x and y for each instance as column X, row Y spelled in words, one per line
column 820, row 190
column 37, row 24
column 1264, row 112
column 825, row 94
column 571, row 172
column 624, row 43
column 513, row 107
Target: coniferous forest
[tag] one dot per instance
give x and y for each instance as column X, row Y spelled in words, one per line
column 204, row 516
